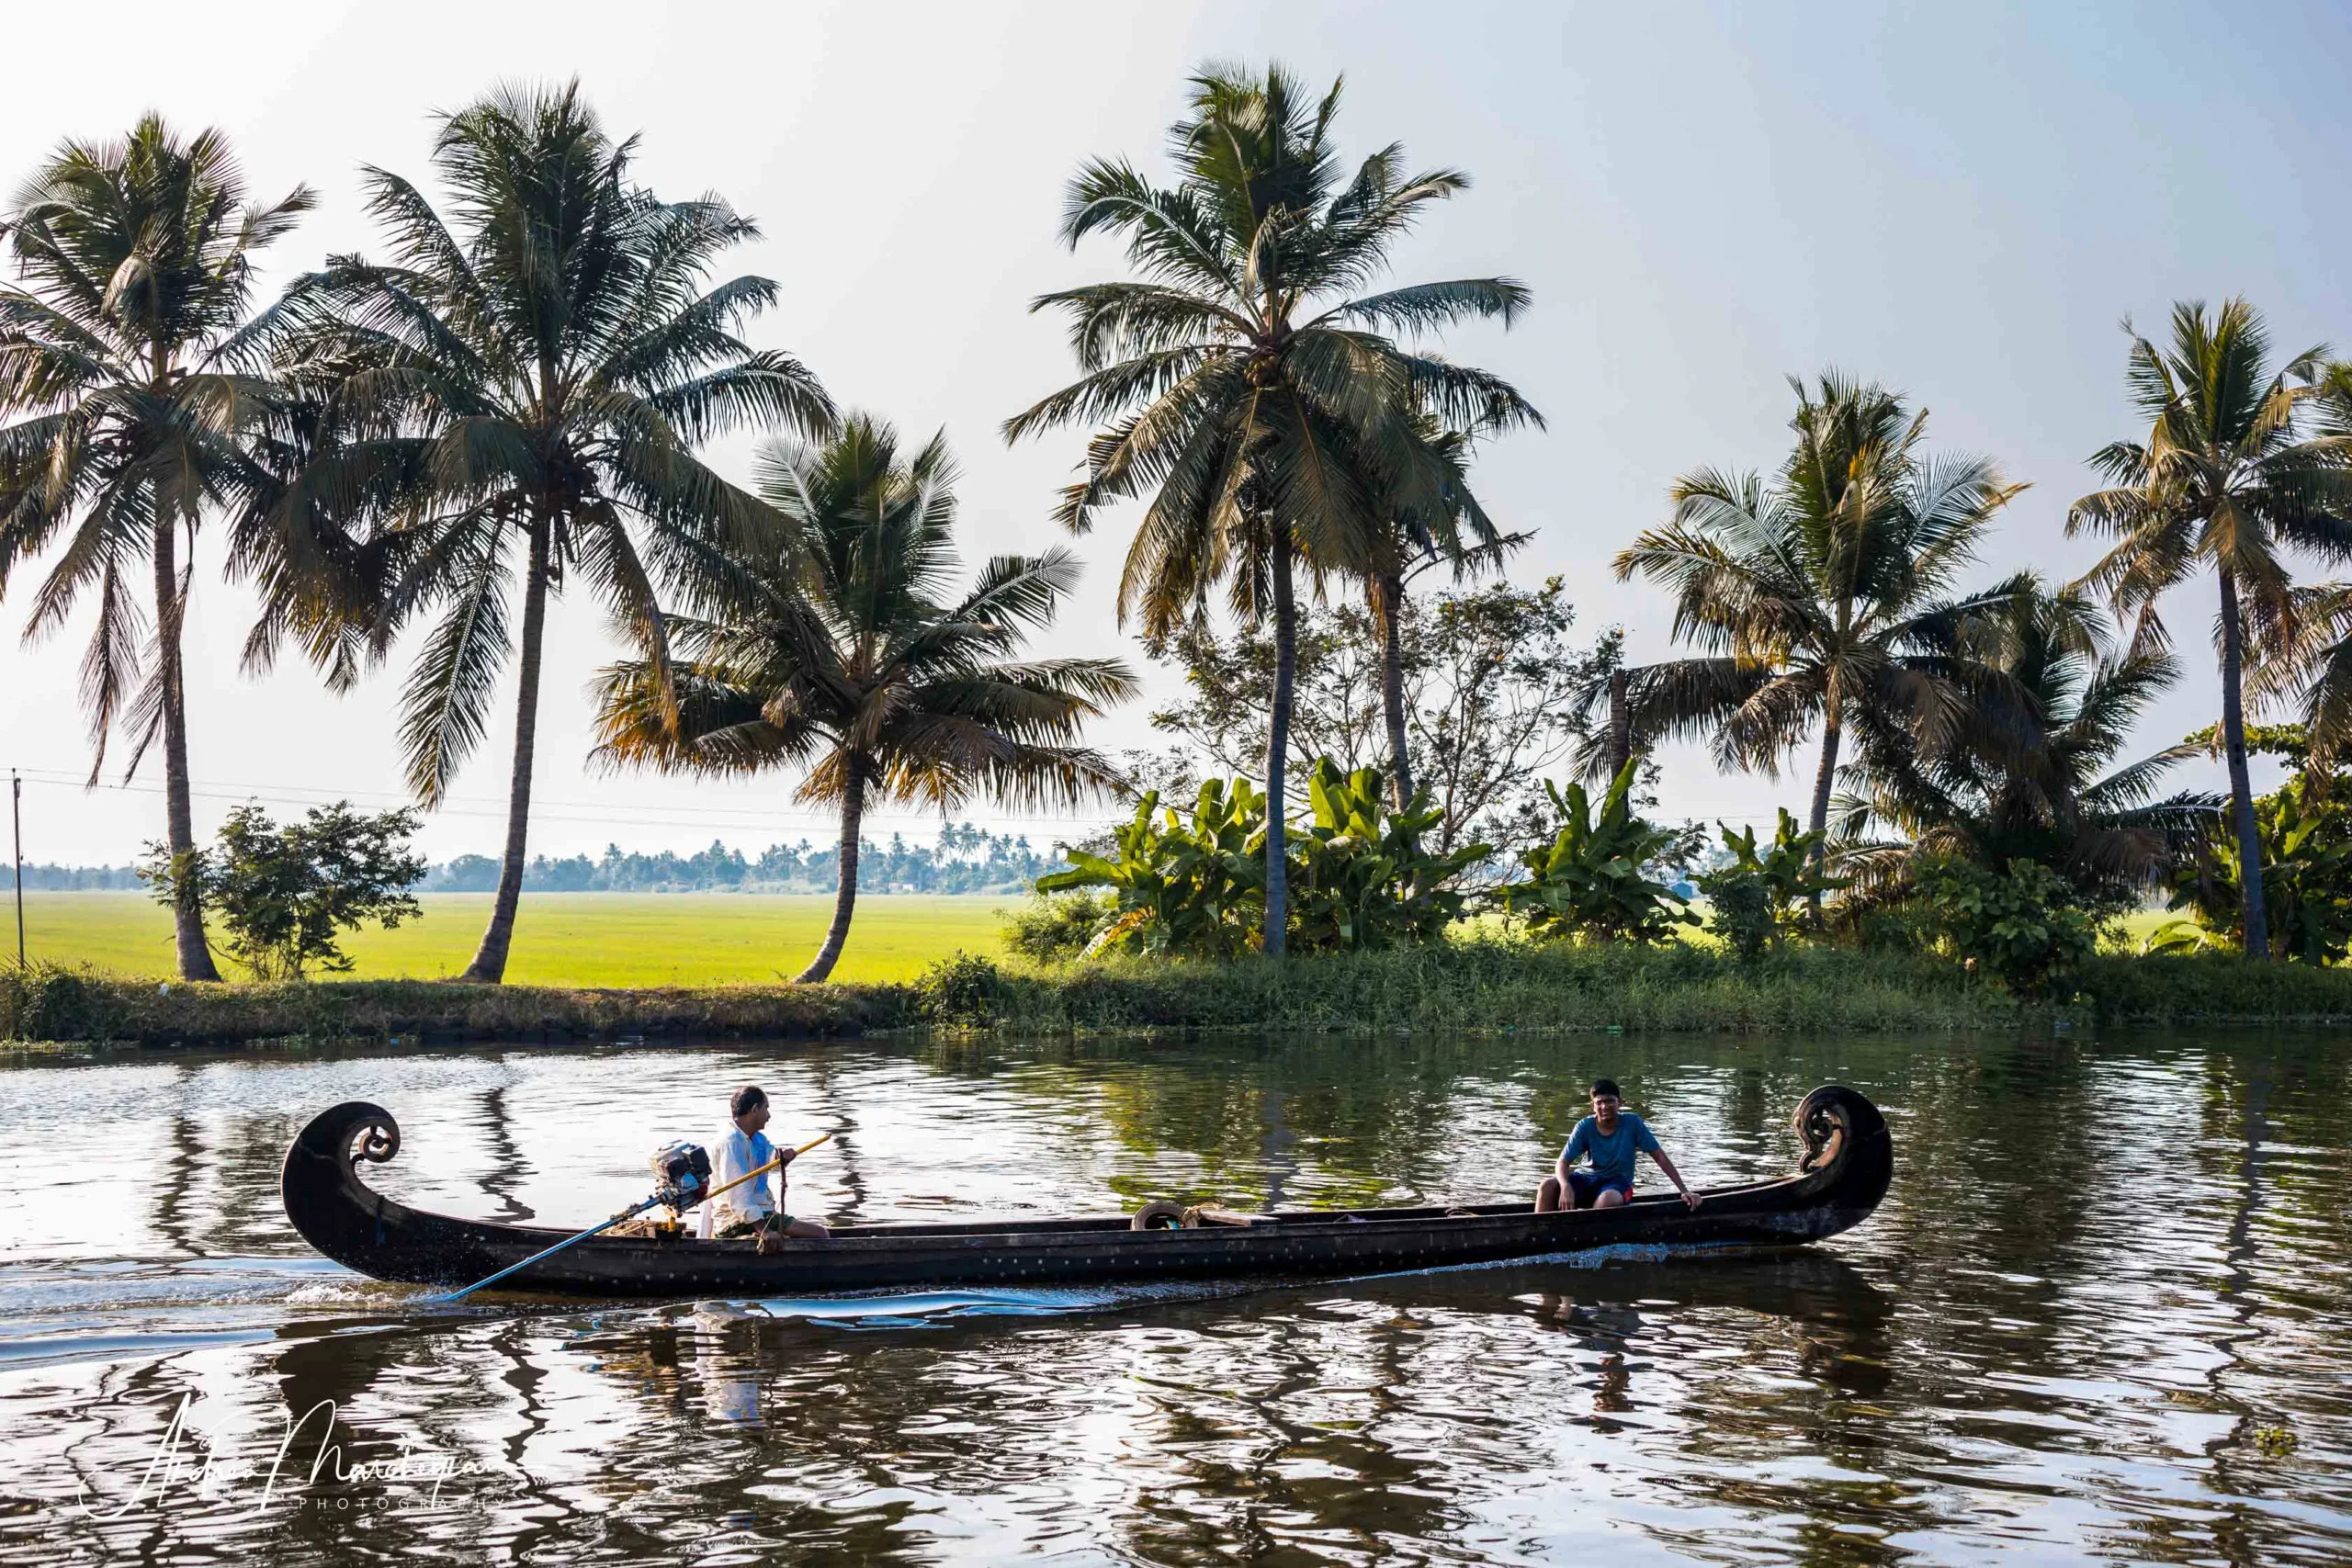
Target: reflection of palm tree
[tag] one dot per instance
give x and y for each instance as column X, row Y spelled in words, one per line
column 2237, row 1287
column 173, row 1193
column 508, row 1168
column 841, row 1121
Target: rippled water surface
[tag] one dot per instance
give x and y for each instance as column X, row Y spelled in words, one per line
column 2107, row 1311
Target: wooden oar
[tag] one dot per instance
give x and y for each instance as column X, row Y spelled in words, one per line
column 631, row 1213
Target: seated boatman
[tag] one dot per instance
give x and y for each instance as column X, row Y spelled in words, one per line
column 1611, row 1136
column 749, row 1210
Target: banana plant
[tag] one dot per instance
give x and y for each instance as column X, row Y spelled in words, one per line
column 1361, row 877
column 2305, row 833
column 1591, row 882
column 1194, row 889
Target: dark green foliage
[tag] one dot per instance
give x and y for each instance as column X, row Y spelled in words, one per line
column 283, row 895
column 959, row 991
column 1592, row 881
column 1361, row 877
column 2023, row 926
column 1763, row 894
column 1740, row 913
column 1360, row 874
column 2306, row 838
column 2028, row 766
column 1190, row 889
column 1054, row 928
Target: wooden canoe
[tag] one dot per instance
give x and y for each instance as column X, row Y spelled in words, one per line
column 1847, row 1161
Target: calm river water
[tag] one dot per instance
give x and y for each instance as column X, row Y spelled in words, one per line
column 2106, row 1311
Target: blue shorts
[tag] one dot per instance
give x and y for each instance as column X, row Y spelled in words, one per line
column 1588, row 1188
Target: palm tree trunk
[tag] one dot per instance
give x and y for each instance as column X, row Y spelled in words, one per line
column 1385, row 591
column 179, row 818
column 1620, row 723
column 1832, row 732
column 1278, row 746
column 2257, row 926
column 489, row 967
column 844, row 884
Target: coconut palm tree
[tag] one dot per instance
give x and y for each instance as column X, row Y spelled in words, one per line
column 839, row 650
column 530, row 380
column 1820, row 597
column 1243, row 383
column 124, row 362
column 2313, row 672
column 2032, row 774
column 2223, row 480
column 1405, row 541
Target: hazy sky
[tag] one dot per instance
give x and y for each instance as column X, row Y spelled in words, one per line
column 1961, row 202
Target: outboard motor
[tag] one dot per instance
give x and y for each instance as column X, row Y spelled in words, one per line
column 680, row 1175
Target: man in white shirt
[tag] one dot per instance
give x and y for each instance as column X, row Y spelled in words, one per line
column 750, row 1210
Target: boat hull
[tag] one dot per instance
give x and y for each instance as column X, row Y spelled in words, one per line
column 1850, row 1161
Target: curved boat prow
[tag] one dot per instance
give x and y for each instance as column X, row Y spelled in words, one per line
column 1845, row 1133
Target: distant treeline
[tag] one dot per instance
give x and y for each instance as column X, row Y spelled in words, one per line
column 966, row 860
column 78, row 878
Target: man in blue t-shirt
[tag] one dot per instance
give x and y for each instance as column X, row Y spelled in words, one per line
column 1609, row 1137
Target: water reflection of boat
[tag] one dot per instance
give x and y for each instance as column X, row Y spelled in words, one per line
column 1849, row 1160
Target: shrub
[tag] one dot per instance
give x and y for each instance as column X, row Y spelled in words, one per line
column 1740, row 912
column 2023, row 926
column 42, row 1001
column 1763, row 895
column 282, row 895
column 1054, row 928
column 1592, row 881
column 960, row 991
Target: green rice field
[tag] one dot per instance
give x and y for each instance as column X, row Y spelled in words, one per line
column 569, row 938
column 607, row 939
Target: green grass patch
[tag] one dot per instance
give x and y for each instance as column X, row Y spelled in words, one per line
column 573, row 939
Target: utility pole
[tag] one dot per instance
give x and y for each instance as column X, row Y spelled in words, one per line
column 16, row 819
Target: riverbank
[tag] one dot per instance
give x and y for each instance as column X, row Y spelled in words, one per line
column 1464, row 988
column 50, row 1004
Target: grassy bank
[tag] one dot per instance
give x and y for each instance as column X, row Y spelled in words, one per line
column 1500, row 988
column 573, row 939
column 1472, row 987
column 50, row 1004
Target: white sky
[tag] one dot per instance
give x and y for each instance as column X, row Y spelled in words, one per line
column 1704, row 200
